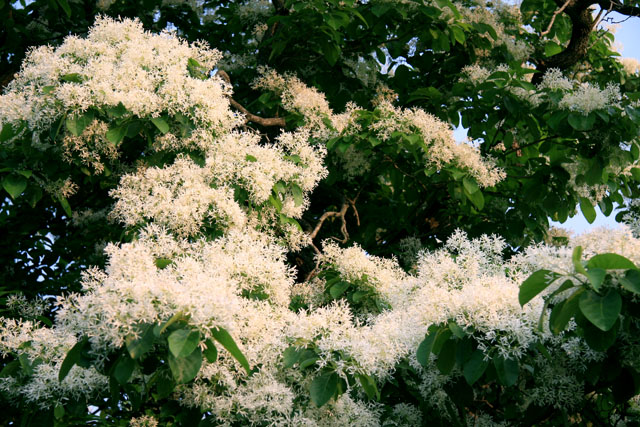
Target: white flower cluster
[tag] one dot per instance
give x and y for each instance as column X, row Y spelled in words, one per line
column 118, row 63
column 587, row 98
column 441, row 147
column 241, row 282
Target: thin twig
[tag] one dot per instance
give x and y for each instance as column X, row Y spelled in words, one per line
column 553, row 18
column 271, row 121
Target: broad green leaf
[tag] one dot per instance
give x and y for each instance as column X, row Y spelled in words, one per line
column 535, row 284
column 631, row 281
column 447, row 357
column 123, row 369
column 58, row 411
column 564, row 311
column 551, row 48
column 72, row 78
column 116, row 135
column 470, row 185
column 323, row 388
column 369, row 386
column 442, row 336
column 576, row 257
column 73, row 356
column 597, row 339
column 182, row 342
column 210, row 351
column 425, row 347
column 77, row 124
column 507, row 370
column 602, row 311
column 475, row 367
column 162, row 263
column 65, row 206
column 140, row 344
column 456, row 330
column 117, row 111
column 587, row 210
column 580, row 122
column 14, row 184
column 64, row 4
column 338, row 289
column 476, row 198
column 161, row 124
column 291, row 356
column 184, row 369
column 610, row 261
column 331, row 52
column 223, row 337
column 297, row 194
column 596, row 277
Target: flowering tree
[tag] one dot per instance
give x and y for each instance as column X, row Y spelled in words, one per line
column 256, row 213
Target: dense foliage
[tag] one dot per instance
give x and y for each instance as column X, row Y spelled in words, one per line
column 256, row 213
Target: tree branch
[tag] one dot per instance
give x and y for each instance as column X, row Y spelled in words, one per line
column 553, row 18
column 271, row 121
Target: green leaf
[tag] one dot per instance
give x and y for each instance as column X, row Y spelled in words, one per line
column 456, row 330
column 161, row 124
column 470, row 185
column 223, row 337
column 162, row 263
column 72, row 78
column 142, row 343
column 73, row 356
column 551, row 48
column 182, row 342
column 291, row 356
column 602, row 311
column 58, row 411
column 587, row 210
column 476, row 198
column 507, row 370
column 576, row 257
column 65, row 6
column 123, row 369
column 564, row 311
column 14, row 184
column 596, row 277
column 323, row 388
column 65, row 206
column 77, row 124
column 598, row 339
column 184, row 369
column 631, row 281
column 475, row 367
column 369, row 386
column 425, row 347
column 535, row 284
column 447, row 357
column 210, row 351
column 116, row 135
column 250, row 158
column 8, row 132
column 297, row 194
column 338, row 289
column 610, row 261
column 580, row 122
column 331, row 52
column 117, row 111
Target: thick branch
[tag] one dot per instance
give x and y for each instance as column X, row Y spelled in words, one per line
column 582, row 24
column 620, row 8
column 270, row 121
